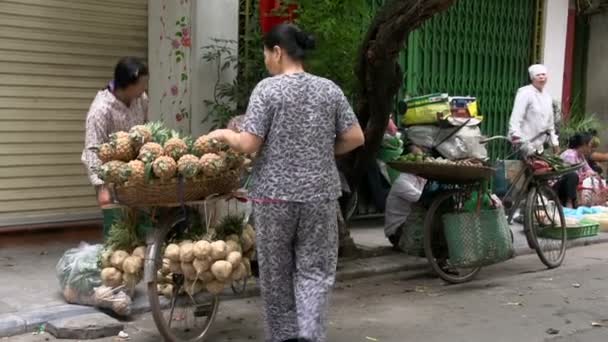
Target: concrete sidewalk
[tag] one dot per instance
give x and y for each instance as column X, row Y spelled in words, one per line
column 30, row 296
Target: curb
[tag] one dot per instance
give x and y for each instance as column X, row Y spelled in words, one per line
column 19, row 323
column 387, row 262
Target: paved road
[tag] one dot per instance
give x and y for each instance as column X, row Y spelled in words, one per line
column 515, row 301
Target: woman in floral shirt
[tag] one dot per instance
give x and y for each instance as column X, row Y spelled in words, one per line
column 580, row 148
column 118, row 107
column 298, row 122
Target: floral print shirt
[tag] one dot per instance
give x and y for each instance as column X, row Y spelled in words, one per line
column 107, row 115
column 299, row 117
column 573, row 157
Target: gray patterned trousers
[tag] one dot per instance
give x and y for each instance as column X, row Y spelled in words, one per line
column 297, row 254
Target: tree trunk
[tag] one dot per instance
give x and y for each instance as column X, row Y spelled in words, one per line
column 380, row 76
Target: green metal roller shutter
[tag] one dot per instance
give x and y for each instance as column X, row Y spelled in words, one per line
column 477, row 48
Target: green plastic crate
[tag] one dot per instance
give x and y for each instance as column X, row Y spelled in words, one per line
column 576, row 232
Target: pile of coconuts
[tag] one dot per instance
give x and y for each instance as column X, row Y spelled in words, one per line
column 123, row 269
column 207, row 265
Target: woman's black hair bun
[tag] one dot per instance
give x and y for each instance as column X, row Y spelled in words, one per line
column 305, row 41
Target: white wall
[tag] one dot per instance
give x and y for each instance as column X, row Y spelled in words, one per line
column 154, row 85
column 556, row 25
column 213, row 19
column 175, row 101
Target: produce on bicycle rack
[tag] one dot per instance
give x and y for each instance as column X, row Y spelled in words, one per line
column 212, row 263
column 144, row 165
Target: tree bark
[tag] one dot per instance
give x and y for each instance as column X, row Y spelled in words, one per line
column 380, row 76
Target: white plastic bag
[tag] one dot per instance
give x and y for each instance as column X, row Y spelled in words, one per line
column 422, row 135
column 79, row 274
column 463, row 144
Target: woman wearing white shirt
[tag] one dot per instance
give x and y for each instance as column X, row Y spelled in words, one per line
column 533, row 114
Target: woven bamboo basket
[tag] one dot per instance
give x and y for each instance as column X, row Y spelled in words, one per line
column 159, row 193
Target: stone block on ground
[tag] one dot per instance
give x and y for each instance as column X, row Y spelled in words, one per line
column 85, row 327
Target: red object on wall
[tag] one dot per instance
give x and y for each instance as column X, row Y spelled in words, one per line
column 268, row 17
column 569, row 64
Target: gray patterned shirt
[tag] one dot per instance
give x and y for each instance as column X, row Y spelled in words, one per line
column 298, row 116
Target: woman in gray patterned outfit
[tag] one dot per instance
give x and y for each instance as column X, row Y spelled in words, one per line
column 298, row 123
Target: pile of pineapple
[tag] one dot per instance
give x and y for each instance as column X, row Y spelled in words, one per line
column 152, row 153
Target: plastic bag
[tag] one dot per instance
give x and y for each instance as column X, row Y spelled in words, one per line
column 79, row 274
column 423, row 135
column 114, row 299
column 464, row 144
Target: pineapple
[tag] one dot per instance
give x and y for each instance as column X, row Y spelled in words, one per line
column 160, row 134
column 118, row 135
column 149, row 152
column 175, row 147
column 204, row 145
column 113, row 172
column 188, row 166
column 232, row 159
column 140, row 135
column 211, row 164
column 136, row 172
column 105, row 152
column 164, row 167
column 123, row 149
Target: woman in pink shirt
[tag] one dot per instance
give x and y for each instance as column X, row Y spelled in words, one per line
column 118, row 107
column 580, row 148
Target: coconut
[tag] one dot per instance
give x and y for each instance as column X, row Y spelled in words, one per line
column 140, row 252
column 111, row 277
column 234, row 258
column 206, row 276
column 250, row 254
column 117, row 259
column 221, row 269
column 175, row 267
column 201, row 265
column 172, row 252
column 233, row 237
column 233, row 246
column 165, row 269
column 218, row 250
column 167, row 291
column 246, row 242
column 105, row 257
column 188, row 270
column 240, row 272
column 202, row 249
column 186, row 252
column 133, row 265
column 247, row 264
column 130, row 281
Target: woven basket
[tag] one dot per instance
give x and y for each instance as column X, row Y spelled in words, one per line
column 447, row 173
column 174, row 192
column 478, row 239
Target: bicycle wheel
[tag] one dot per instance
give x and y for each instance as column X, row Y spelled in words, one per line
column 544, row 213
column 185, row 318
column 435, row 247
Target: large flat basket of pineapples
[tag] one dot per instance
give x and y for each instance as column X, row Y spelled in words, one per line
column 151, row 165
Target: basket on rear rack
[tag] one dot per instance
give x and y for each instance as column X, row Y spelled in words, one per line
column 159, row 193
column 445, row 173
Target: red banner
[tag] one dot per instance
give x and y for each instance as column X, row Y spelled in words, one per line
column 269, row 17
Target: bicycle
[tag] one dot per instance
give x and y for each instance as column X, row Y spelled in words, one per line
column 183, row 317
column 543, row 211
